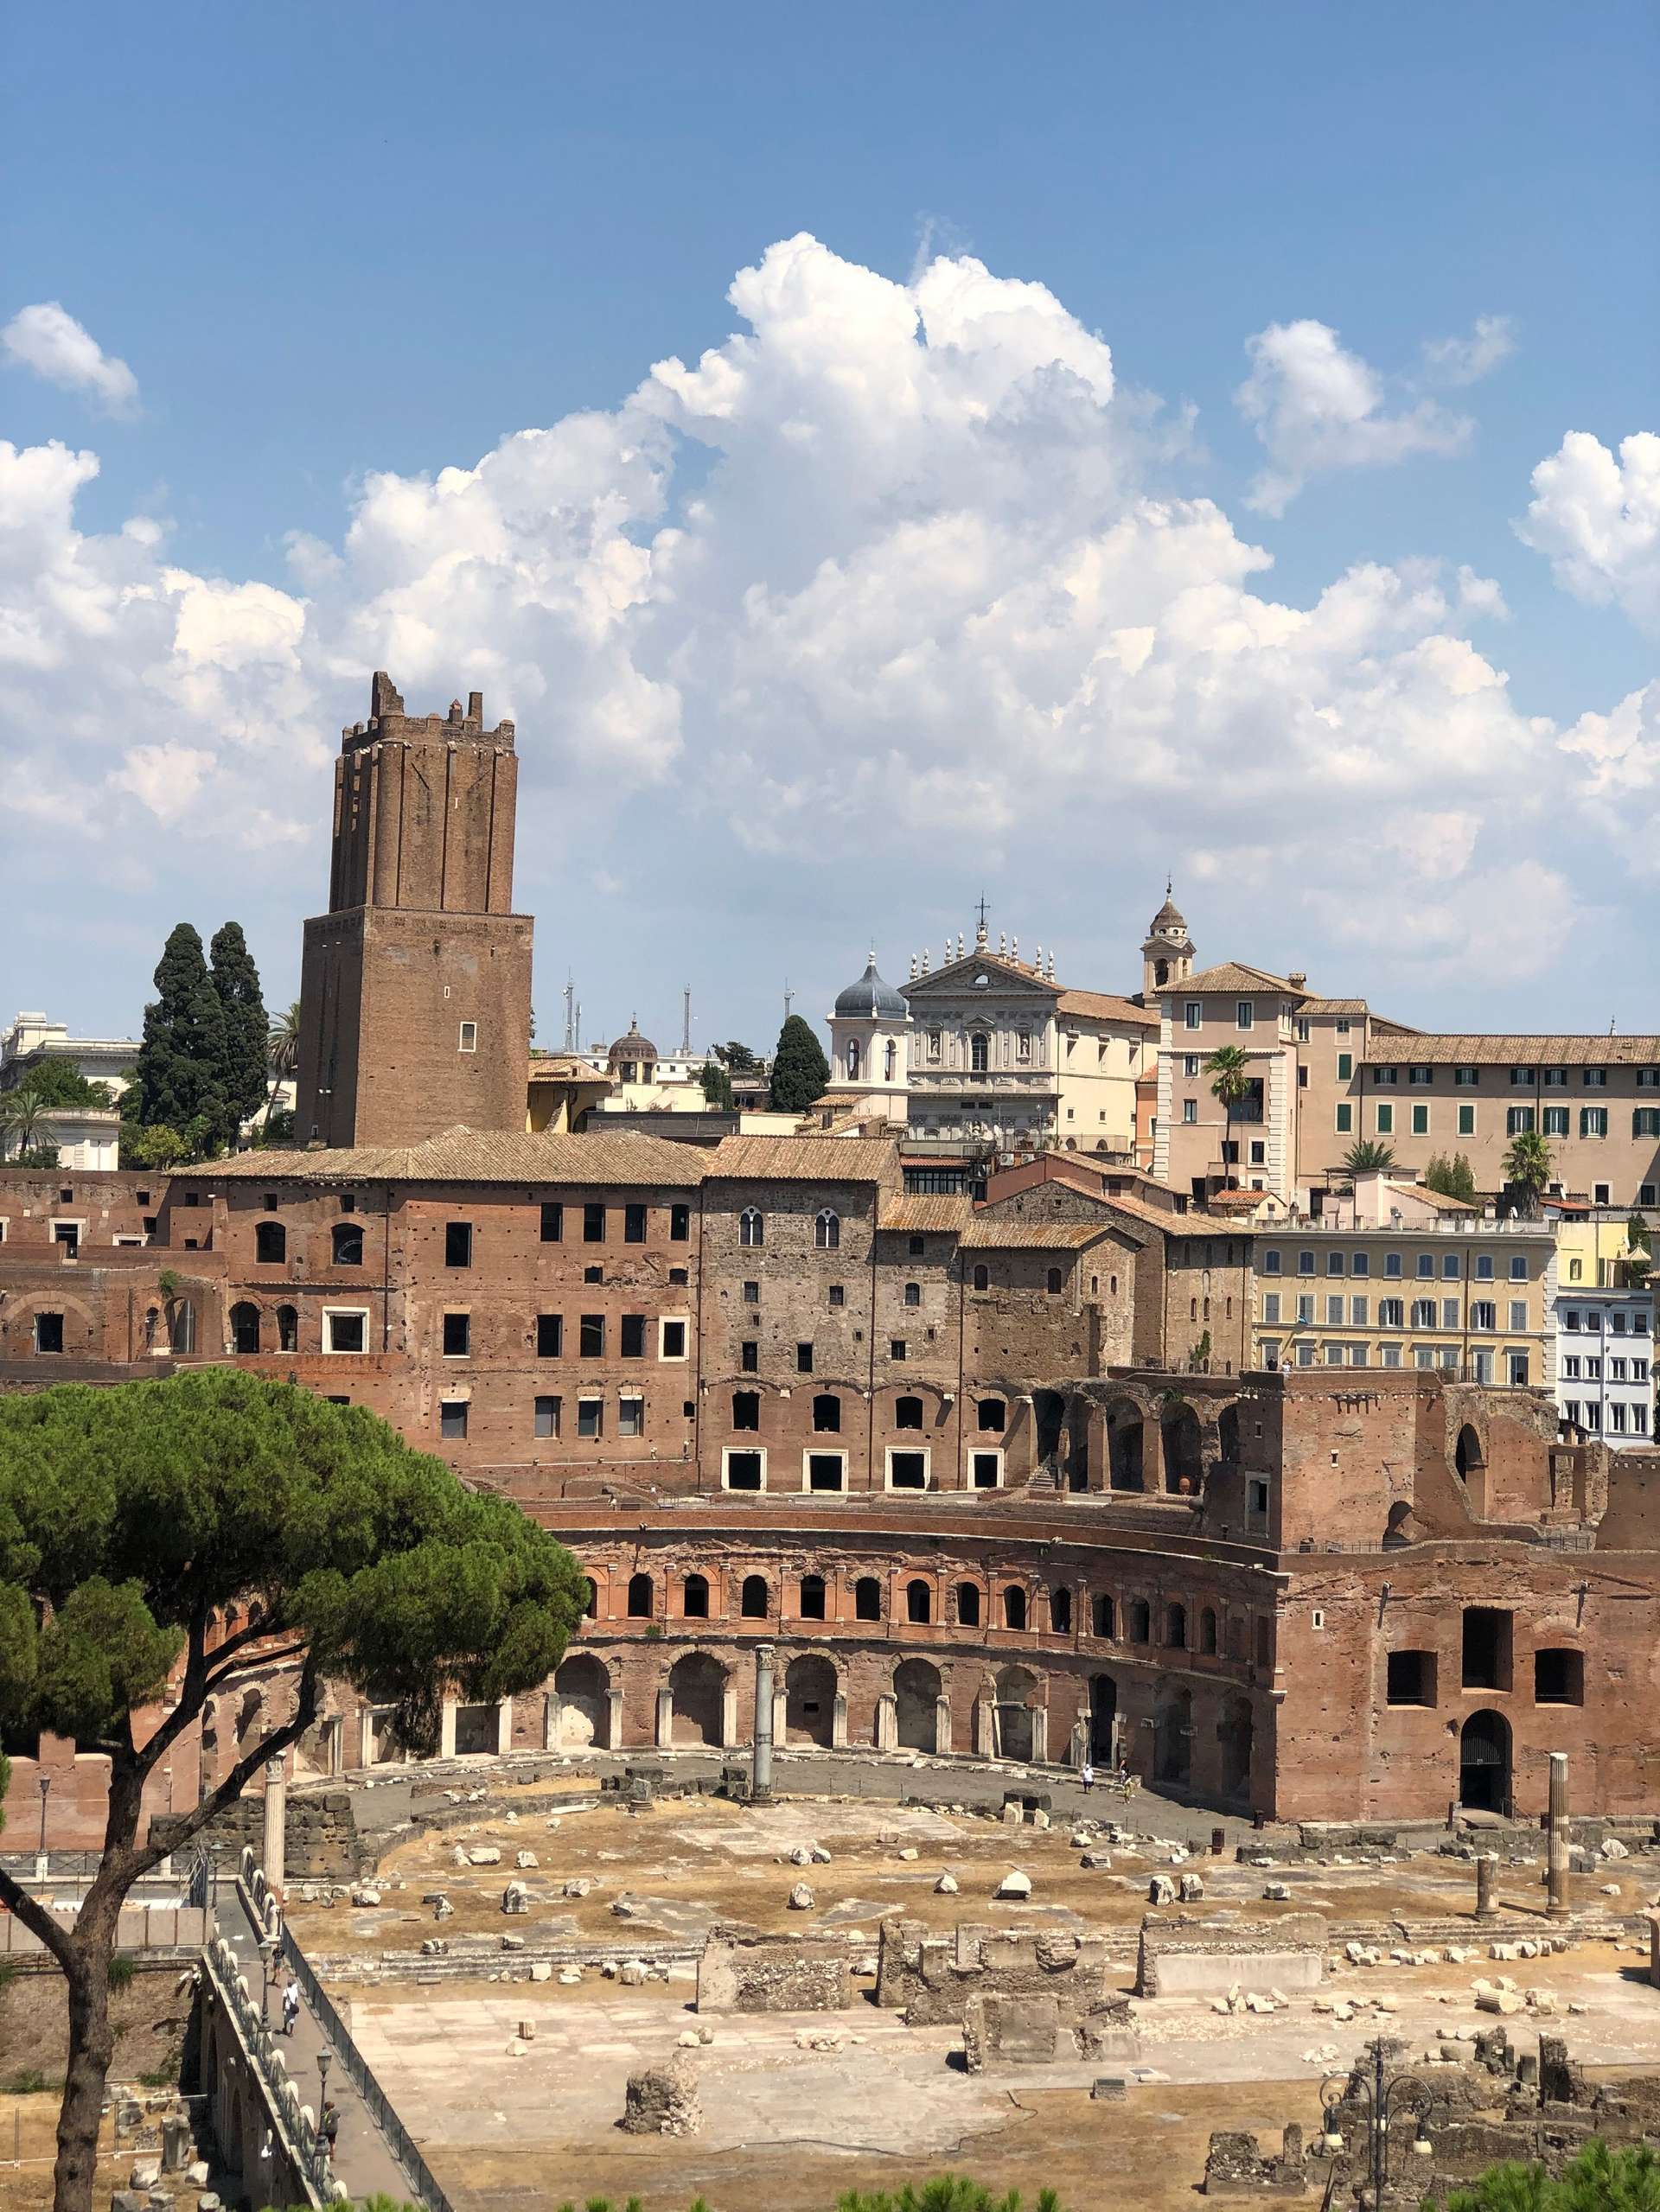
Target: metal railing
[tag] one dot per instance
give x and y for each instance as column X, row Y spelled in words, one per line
column 307, row 2150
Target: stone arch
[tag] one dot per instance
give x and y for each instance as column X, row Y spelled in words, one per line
column 1017, row 1690
column 1175, row 1625
column 694, row 1597
column 584, row 1691
column 1138, row 1621
column 1228, row 1436
column 1125, row 1445
column 754, row 1599
column 1104, row 1717
column 867, row 1598
column 919, row 1601
column 1208, row 1630
column 968, row 1604
column 917, row 1689
column 810, row 1688
column 244, row 1319
column 1049, row 1422
column 1468, row 1457
column 1015, row 1609
column 1236, row 1734
column 1485, row 1762
column 287, row 1329
column 1173, row 1737
column 697, row 1691
column 1184, row 1455
column 641, row 1596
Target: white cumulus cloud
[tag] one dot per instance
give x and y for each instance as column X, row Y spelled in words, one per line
column 1316, row 407
column 1466, row 360
column 46, row 339
column 1595, row 515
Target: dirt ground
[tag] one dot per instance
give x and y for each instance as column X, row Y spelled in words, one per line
column 29, row 2145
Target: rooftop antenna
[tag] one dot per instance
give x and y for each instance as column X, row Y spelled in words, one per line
column 571, row 1025
column 686, row 1023
column 788, row 995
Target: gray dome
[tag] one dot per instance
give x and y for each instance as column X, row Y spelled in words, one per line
column 870, row 996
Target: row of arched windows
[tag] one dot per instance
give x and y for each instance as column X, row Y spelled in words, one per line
column 247, row 1325
column 992, row 1414
column 346, row 1241
column 826, row 1229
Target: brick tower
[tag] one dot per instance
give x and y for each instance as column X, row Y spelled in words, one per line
column 415, row 988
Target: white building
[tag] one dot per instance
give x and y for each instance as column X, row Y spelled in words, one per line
column 1605, row 1363
column 87, row 1138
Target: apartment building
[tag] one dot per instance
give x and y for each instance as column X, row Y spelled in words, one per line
column 1469, row 1298
column 1605, row 1364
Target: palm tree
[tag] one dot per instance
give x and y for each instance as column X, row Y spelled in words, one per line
column 1367, row 1157
column 22, row 1108
column 1528, row 1165
column 1231, row 1083
column 283, row 1051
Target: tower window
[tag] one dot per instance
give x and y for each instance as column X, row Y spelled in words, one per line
column 458, row 1244
column 270, row 1243
column 469, row 1038
column 348, row 1245
column 552, row 1221
column 593, row 1223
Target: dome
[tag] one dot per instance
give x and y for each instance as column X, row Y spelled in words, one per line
column 1169, row 921
column 631, row 1046
column 869, row 997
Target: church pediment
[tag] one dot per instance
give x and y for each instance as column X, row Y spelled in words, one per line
column 980, row 972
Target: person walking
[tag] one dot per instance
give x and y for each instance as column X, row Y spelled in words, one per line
column 1088, row 1777
column 291, row 2003
column 329, row 2127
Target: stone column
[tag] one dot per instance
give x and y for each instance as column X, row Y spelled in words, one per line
column 1486, row 1882
column 728, row 1715
column 942, row 1723
column 665, row 1717
column 504, row 1727
column 1077, row 1749
column 985, row 1729
column 780, row 1713
column 552, row 1706
column 447, row 1729
column 1556, row 1840
column 761, row 1769
column 1653, row 1950
column 613, row 1700
column 276, row 1821
column 839, row 1722
column 366, row 1736
column 887, row 1723
column 1040, row 1736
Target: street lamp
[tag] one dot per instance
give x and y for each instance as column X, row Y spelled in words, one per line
column 1381, row 2100
column 46, row 1786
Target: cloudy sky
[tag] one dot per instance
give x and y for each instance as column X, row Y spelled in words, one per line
column 878, row 456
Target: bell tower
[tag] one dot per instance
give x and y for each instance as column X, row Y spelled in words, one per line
column 415, row 985
column 1167, row 955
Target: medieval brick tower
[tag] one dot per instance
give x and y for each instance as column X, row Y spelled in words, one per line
column 415, row 989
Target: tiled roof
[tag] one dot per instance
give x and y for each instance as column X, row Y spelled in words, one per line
column 1231, row 975
column 1103, row 1006
column 990, row 1234
column 1335, row 1006
column 940, row 1213
column 806, row 1159
column 1536, row 1051
column 463, row 1155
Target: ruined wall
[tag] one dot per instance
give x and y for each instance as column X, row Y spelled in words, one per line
column 1021, row 1998
column 1180, row 1956
column 773, row 1973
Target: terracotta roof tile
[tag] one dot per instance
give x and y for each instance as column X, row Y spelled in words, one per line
column 806, row 1159
column 1231, row 975
column 463, row 1155
column 939, row 1213
column 1104, row 1006
column 993, row 1235
column 1515, row 1050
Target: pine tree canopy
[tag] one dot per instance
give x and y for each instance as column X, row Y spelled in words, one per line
column 800, row 1070
column 248, row 1029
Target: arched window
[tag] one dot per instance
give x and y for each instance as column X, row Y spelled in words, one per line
column 753, row 1602
column 1139, row 1620
column 1014, row 1608
column 1208, row 1630
column 980, row 1052
column 751, row 1229
column 852, row 1060
column 1101, row 1618
column 982, row 1276
column 826, row 1230
column 270, row 1243
column 908, row 1412
column 992, row 1414
column 890, row 1061
column 1160, row 973
column 746, row 1409
column 1060, row 1612
column 245, row 1328
column 287, row 1329
column 812, row 1597
column 919, row 1602
column 1176, row 1628
column 347, row 1240
column 827, row 1413
column 968, row 1604
column 640, row 1597
column 695, row 1604
column 1054, row 1282
column 590, row 1598
column 867, row 1598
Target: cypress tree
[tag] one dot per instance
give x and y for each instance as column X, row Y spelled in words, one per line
column 245, row 1078
column 800, row 1070
column 179, row 1077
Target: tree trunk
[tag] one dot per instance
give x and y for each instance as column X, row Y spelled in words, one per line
column 92, row 2051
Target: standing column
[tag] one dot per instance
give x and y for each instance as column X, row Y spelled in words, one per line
column 276, row 1821
column 1556, row 1840
column 760, row 1772
column 1486, row 1881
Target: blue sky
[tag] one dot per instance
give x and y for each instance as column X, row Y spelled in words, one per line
column 342, row 250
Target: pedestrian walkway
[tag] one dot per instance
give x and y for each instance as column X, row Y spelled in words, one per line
column 363, row 2158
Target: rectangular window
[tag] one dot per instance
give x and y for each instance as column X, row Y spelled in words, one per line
column 752, row 1294
column 1334, row 1311
column 1411, row 1677
column 1193, row 1014
column 591, row 1336
column 1420, row 1121
column 452, row 1420
column 1391, row 1313
column 1556, row 1078
column 1466, row 1121
column 1357, row 1312
column 1334, row 1262
column 1304, row 1353
column 1465, row 1079
column 1190, row 1111
column 552, row 1221
column 671, row 1340
column 1345, row 1067
column 458, row 1244
column 1360, row 1262
column 1304, row 1263
column 825, row 1470
column 593, row 1223
column 907, row 1470
column 633, row 1344
column 458, row 1336
column 1191, row 1065
column 631, row 1417
column 1486, row 1648
column 550, row 1335
column 1259, row 1155
column 1594, row 1079
column 1389, row 1355
column 1483, row 1317
column 895, row 1347
column 1244, row 1014
column 1518, row 1314
column 1520, row 1079
column 750, row 1357
column 1271, row 1308
column 1423, row 1313
column 985, row 1470
column 634, row 1224
column 1594, row 1121
column 1271, row 1261
column 1391, row 1075
column 467, row 1040
column 1518, row 1121
column 1449, row 1313
column 1555, row 1120
column 1645, row 1122
column 345, row 1328
column 1385, row 1122
column 1422, row 1078
column 590, row 1416
column 1517, row 1364
column 48, row 1333
column 1345, row 1119
column 1334, row 1355
column 547, row 1417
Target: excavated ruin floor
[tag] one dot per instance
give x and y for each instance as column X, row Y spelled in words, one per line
column 789, row 2126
